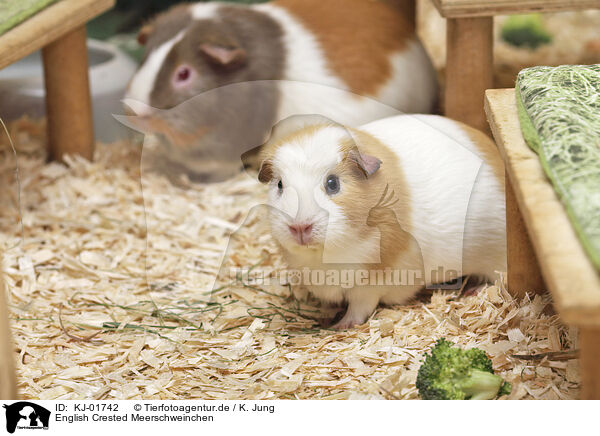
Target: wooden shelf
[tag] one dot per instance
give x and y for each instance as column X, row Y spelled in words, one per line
column 488, row 8
column 569, row 274
column 47, row 26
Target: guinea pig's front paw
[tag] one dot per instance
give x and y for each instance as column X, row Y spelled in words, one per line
column 347, row 322
column 473, row 290
column 360, row 306
column 474, row 285
column 300, row 293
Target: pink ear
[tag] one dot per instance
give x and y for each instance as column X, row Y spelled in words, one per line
column 144, row 34
column 223, row 55
column 368, row 164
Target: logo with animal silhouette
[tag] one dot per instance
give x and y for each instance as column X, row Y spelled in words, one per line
column 26, row 415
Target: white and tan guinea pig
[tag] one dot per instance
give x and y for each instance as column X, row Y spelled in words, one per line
column 354, row 61
column 395, row 205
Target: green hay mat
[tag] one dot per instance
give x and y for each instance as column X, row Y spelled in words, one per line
column 559, row 110
column 13, row 12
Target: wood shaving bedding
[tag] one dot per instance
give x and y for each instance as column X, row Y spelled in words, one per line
column 111, row 295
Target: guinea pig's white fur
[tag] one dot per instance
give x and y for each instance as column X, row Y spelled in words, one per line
column 435, row 204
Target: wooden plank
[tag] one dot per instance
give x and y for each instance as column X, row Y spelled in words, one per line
column 8, row 378
column 68, row 101
column 488, row 8
column 571, row 278
column 47, row 26
column 469, row 69
column 523, row 275
column 589, row 345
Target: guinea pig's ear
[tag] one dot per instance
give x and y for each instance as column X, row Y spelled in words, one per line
column 222, row 55
column 265, row 174
column 145, row 33
column 366, row 163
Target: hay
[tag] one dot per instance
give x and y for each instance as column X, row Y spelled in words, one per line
column 99, row 311
column 558, row 109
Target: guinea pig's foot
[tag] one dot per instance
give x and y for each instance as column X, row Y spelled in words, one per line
column 473, row 290
column 473, row 286
column 360, row 306
column 347, row 321
column 300, row 293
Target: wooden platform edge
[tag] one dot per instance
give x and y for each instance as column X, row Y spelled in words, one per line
column 571, row 277
column 474, row 8
column 47, row 26
column 8, row 376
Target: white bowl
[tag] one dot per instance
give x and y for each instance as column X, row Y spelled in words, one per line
column 22, row 88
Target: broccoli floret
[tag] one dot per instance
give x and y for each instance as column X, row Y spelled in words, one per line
column 450, row 373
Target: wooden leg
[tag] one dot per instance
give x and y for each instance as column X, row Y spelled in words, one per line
column 469, row 69
column 411, row 11
column 524, row 273
column 589, row 361
column 68, row 101
column 8, row 377
column 408, row 8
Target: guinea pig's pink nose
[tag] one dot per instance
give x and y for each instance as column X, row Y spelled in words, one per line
column 301, row 233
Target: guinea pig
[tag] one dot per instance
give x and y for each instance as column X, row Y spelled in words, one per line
column 373, row 214
column 221, row 75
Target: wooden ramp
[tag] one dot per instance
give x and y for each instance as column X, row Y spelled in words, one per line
column 566, row 270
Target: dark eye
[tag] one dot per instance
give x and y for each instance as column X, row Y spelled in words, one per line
column 183, row 74
column 280, row 186
column 332, row 185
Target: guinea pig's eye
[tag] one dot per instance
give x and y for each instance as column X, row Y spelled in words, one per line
column 280, row 186
column 332, row 184
column 182, row 75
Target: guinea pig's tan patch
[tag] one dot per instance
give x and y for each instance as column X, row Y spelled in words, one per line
column 269, row 149
column 381, row 200
column 352, row 31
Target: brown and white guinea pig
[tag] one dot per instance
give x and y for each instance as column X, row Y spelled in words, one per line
column 353, row 61
column 376, row 213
